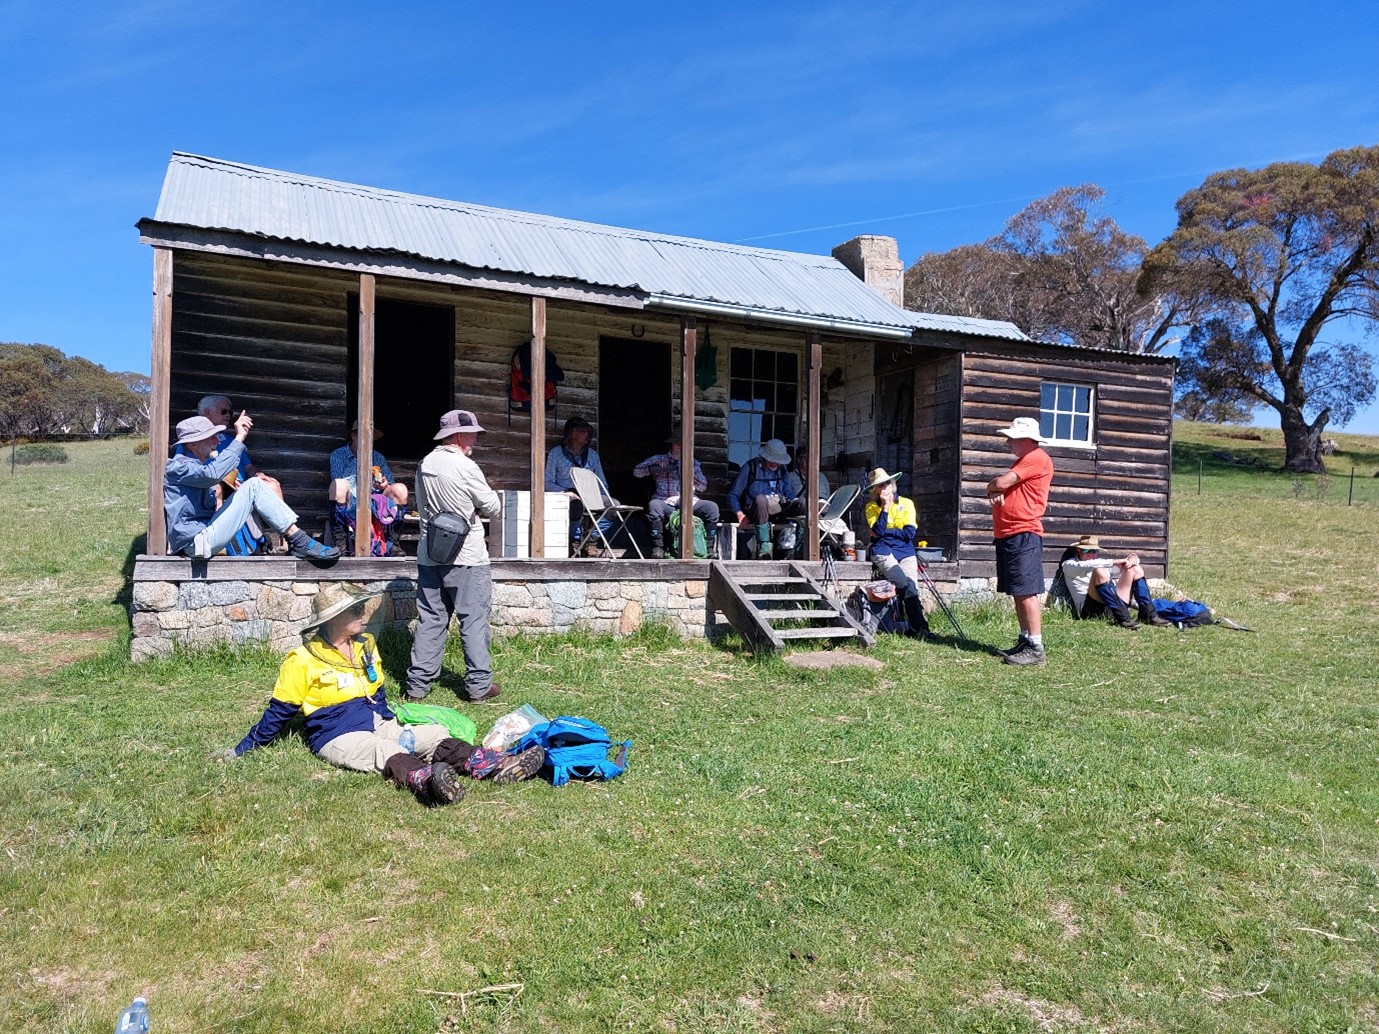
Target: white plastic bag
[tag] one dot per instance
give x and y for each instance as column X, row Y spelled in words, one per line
column 510, row 728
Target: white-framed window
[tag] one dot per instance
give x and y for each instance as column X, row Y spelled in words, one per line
column 1065, row 413
column 763, row 400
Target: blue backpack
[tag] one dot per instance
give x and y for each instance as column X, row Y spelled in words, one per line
column 576, row 748
column 1185, row 613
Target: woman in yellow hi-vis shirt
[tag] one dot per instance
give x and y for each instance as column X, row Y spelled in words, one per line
column 894, row 526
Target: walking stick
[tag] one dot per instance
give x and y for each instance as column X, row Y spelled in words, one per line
column 943, row 604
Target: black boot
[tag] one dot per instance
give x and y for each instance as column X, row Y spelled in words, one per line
column 914, row 614
column 1144, row 603
column 433, row 785
column 1115, row 606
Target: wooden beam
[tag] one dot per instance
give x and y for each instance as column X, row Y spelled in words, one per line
column 538, row 427
column 813, row 374
column 689, row 338
column 363, row 453
column 158, row 416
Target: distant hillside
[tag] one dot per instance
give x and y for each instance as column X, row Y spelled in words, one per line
column 1249, row 459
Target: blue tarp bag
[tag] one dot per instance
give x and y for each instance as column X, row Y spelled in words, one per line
column 576, row 748
column 1187, row 613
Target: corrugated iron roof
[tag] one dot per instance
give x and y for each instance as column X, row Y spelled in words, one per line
column 213, row 194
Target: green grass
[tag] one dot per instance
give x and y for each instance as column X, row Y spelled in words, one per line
column 1159, row 832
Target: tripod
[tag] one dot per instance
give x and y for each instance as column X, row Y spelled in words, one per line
column 943, row 604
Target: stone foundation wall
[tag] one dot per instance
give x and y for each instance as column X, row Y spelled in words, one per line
column 200, row 614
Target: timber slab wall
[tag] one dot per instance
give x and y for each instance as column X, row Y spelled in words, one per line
column 267, row 600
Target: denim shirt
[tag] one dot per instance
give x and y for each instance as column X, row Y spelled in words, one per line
column 754, row 480
column 188, row 499
column 560, row 462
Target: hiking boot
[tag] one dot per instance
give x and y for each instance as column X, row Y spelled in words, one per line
column 1123, row 619
column 516, row 767
column 1150, row 616
column 658, row 551
column 492, row 693
column 307, row 548
column 1027, row 656
column 435, row 784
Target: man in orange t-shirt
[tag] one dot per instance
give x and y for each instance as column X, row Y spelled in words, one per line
column 1018, row 500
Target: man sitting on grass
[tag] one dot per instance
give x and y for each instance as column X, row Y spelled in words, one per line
column 195, row 526
column 335, row 679
column 1103, row 586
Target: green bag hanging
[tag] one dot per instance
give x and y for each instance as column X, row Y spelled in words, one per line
column 455, row 723
column 705, row 364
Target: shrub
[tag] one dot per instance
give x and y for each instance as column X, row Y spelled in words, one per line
column 141, row 448
column 43, row 452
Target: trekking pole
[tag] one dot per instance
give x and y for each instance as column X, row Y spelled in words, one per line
column 943, row 604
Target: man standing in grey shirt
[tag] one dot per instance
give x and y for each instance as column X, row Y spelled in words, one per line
column 448, row 481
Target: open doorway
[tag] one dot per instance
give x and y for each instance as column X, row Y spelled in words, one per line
column 634, row 411
column 413, row 378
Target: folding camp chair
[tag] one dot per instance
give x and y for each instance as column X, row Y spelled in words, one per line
column 831, row 523
column 597, row 505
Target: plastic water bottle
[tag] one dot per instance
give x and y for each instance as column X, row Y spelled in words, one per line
column 408, row 741
column 133, row 1020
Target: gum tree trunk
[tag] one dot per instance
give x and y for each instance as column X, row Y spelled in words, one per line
column 1302, row 442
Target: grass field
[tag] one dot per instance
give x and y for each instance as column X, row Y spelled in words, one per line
column 1160, row 831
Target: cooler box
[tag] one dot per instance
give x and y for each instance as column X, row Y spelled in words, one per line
column 929, row 555
column 517, row 524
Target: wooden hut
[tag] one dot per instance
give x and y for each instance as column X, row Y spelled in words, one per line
column 313, row 303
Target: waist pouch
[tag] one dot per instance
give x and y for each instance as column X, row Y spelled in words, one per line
column 445, row 534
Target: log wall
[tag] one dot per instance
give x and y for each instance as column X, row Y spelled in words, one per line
column 1117, row 490
column 275, row 338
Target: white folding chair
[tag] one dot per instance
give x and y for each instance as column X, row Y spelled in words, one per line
column 831, row 523
column 597, row 506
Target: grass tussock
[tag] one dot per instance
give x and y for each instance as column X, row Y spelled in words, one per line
column 1160, row 831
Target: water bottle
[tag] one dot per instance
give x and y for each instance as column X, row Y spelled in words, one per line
column 408, row 741
column 133, row 1020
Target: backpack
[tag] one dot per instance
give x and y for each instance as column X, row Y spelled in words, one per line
column 576, row 748
column 876, row 607
column 519, row 378
column 701, row 537
column 1185, row 613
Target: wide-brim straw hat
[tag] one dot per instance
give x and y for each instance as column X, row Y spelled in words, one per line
column 1024, row 427
column 334, row 599
column 774, row 451
column 879, row 477
column 1087, row 542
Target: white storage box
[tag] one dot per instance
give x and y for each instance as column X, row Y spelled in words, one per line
column 517, row 524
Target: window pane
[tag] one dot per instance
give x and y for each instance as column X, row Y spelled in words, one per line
column 1046, row 425
column 1063, row 427
column 1046, row 396
column 787, row 367
column 786, row 398
column 1082, row 400
column 1080, row 428
column 1065, row 398
column 766, row 391
column 742, row 362
column 740, row 390
column 764, row 365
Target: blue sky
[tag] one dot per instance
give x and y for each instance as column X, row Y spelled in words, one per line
column 786, row 125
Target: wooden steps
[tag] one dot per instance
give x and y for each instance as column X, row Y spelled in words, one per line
column 774, row 602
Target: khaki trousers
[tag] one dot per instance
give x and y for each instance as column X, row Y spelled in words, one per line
column 370, row 751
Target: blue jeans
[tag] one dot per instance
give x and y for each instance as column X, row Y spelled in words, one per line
column 252, row 496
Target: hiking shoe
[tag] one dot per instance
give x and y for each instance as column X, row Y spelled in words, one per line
column 492, row 693
column 435, row 784
column 516, row 767
column 482, row 762
column 1125, row 621
column 658, row 552
column 1020, row 644
column 313, row 550
column 1030, row 656
column 1149, row 616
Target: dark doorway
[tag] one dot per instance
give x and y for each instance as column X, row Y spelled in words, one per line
column 413, row 376
column 634, row 411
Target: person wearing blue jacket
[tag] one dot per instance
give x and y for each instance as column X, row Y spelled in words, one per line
column 894, row 527
column 195, row 526
column 764, row 489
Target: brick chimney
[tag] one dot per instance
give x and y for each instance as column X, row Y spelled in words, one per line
column 876, row 262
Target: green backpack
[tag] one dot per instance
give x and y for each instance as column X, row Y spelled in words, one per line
column 701, row 536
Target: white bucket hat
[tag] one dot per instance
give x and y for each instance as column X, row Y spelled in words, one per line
column 774, row 451
column 1024, row 427
column 195, row 428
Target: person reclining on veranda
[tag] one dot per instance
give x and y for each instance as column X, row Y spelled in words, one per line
column 1103, row 586
column 195, row 527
